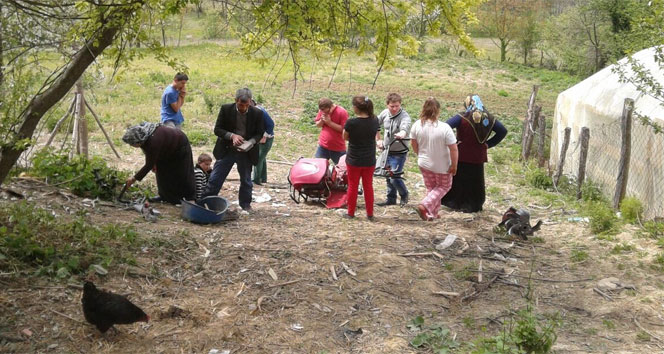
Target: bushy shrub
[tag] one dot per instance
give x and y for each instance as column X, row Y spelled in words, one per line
column 85, row 177
column 592, row 192
column 631, row 210
column 602, row 217
column 539, row 178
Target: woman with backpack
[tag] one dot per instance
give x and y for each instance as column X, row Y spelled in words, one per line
column 360, row 132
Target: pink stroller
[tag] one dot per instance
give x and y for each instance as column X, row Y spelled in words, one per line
column 316, row 178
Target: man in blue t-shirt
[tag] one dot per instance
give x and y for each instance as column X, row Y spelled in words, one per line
column 172, row 100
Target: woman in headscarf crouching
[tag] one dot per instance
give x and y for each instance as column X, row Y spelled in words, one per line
column 168, row 150
column 473, row 127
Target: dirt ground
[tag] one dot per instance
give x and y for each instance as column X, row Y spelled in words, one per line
column 299, row 278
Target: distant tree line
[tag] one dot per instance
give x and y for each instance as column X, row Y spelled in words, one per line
column 579, row 37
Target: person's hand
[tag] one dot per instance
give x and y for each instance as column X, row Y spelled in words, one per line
column 325, row 118
column 452, row 170
column 130, row 181
column 237, row 139
column 183, row 93
column 380, row 145
column 263, row 140
column 400, row 135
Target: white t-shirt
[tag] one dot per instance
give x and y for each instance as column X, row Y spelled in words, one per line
column 432, row 139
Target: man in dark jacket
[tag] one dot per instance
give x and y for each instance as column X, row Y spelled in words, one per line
column 238, row 129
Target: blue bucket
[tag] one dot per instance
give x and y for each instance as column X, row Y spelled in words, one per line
column 208, row 210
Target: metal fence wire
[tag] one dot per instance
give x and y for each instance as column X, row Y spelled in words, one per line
column 646, row 168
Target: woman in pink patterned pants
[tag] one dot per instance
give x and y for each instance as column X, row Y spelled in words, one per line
column 435, row 145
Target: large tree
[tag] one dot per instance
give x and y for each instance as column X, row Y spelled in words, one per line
column 46, row 45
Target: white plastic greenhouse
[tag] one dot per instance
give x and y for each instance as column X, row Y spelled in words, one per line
column 597, row 103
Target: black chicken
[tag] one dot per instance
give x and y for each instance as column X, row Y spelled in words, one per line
column 104, row 309
column 517, row 222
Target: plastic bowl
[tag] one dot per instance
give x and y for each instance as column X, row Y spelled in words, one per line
column 208, row 210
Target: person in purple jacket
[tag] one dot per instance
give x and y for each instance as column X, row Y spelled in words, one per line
column 473, row 128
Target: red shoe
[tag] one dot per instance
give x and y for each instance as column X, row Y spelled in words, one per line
column 422, row 212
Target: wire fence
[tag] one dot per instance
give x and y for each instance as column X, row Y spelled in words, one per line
column 646, row 169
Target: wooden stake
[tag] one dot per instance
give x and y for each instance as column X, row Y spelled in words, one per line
column 82, row 122
column 583, row 157
column 527, row 120
column 625, row 152
column 74, row 135
column 59, row 123
column 530, row 136
column 541, row 131
column 110, row 143
column 561, row 158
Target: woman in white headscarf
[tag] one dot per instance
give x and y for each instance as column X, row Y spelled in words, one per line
column 168, row 150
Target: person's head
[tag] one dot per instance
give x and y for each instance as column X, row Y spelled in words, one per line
column 325, row 105
column 362, row 105
column 205, row 162
column 243, row 99
column 393, row 103
column 180, row 80
column 430, row 110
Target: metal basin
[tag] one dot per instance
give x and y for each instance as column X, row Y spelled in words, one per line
column 208, row 210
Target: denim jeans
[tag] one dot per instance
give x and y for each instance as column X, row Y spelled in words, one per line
column 222, row 168
column 396, row 184
column 323, row 153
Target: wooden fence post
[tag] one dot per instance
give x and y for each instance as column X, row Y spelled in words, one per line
column 82, row 122
column 561, row 158
column 527, row 121
column 583, row 157
column 532, row 127
column 541, row 131
column 625, row 152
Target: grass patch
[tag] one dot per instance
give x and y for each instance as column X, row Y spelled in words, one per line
column 631, row 210
column 578, row 256
column 622, row 248
column 33, row 238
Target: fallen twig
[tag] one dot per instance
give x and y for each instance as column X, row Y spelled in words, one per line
column 479, row 288
column 538, row 279
column 9, row 338
column 66, row 316
column 284, row 284
column 280, row 162
column 606, row 296
column 334, row 273
column 645, row 330
column 421, row 254
column 446, row 293
column 347, row 268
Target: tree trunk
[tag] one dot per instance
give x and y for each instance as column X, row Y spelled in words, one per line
column 2, row 29
column 41, row 103
column 163, row 33
column 503, row 49
column 82, row 122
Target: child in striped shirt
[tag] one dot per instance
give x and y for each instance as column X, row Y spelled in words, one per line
column 202, row 173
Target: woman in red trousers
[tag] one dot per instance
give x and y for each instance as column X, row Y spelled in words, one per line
column 360, row 132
